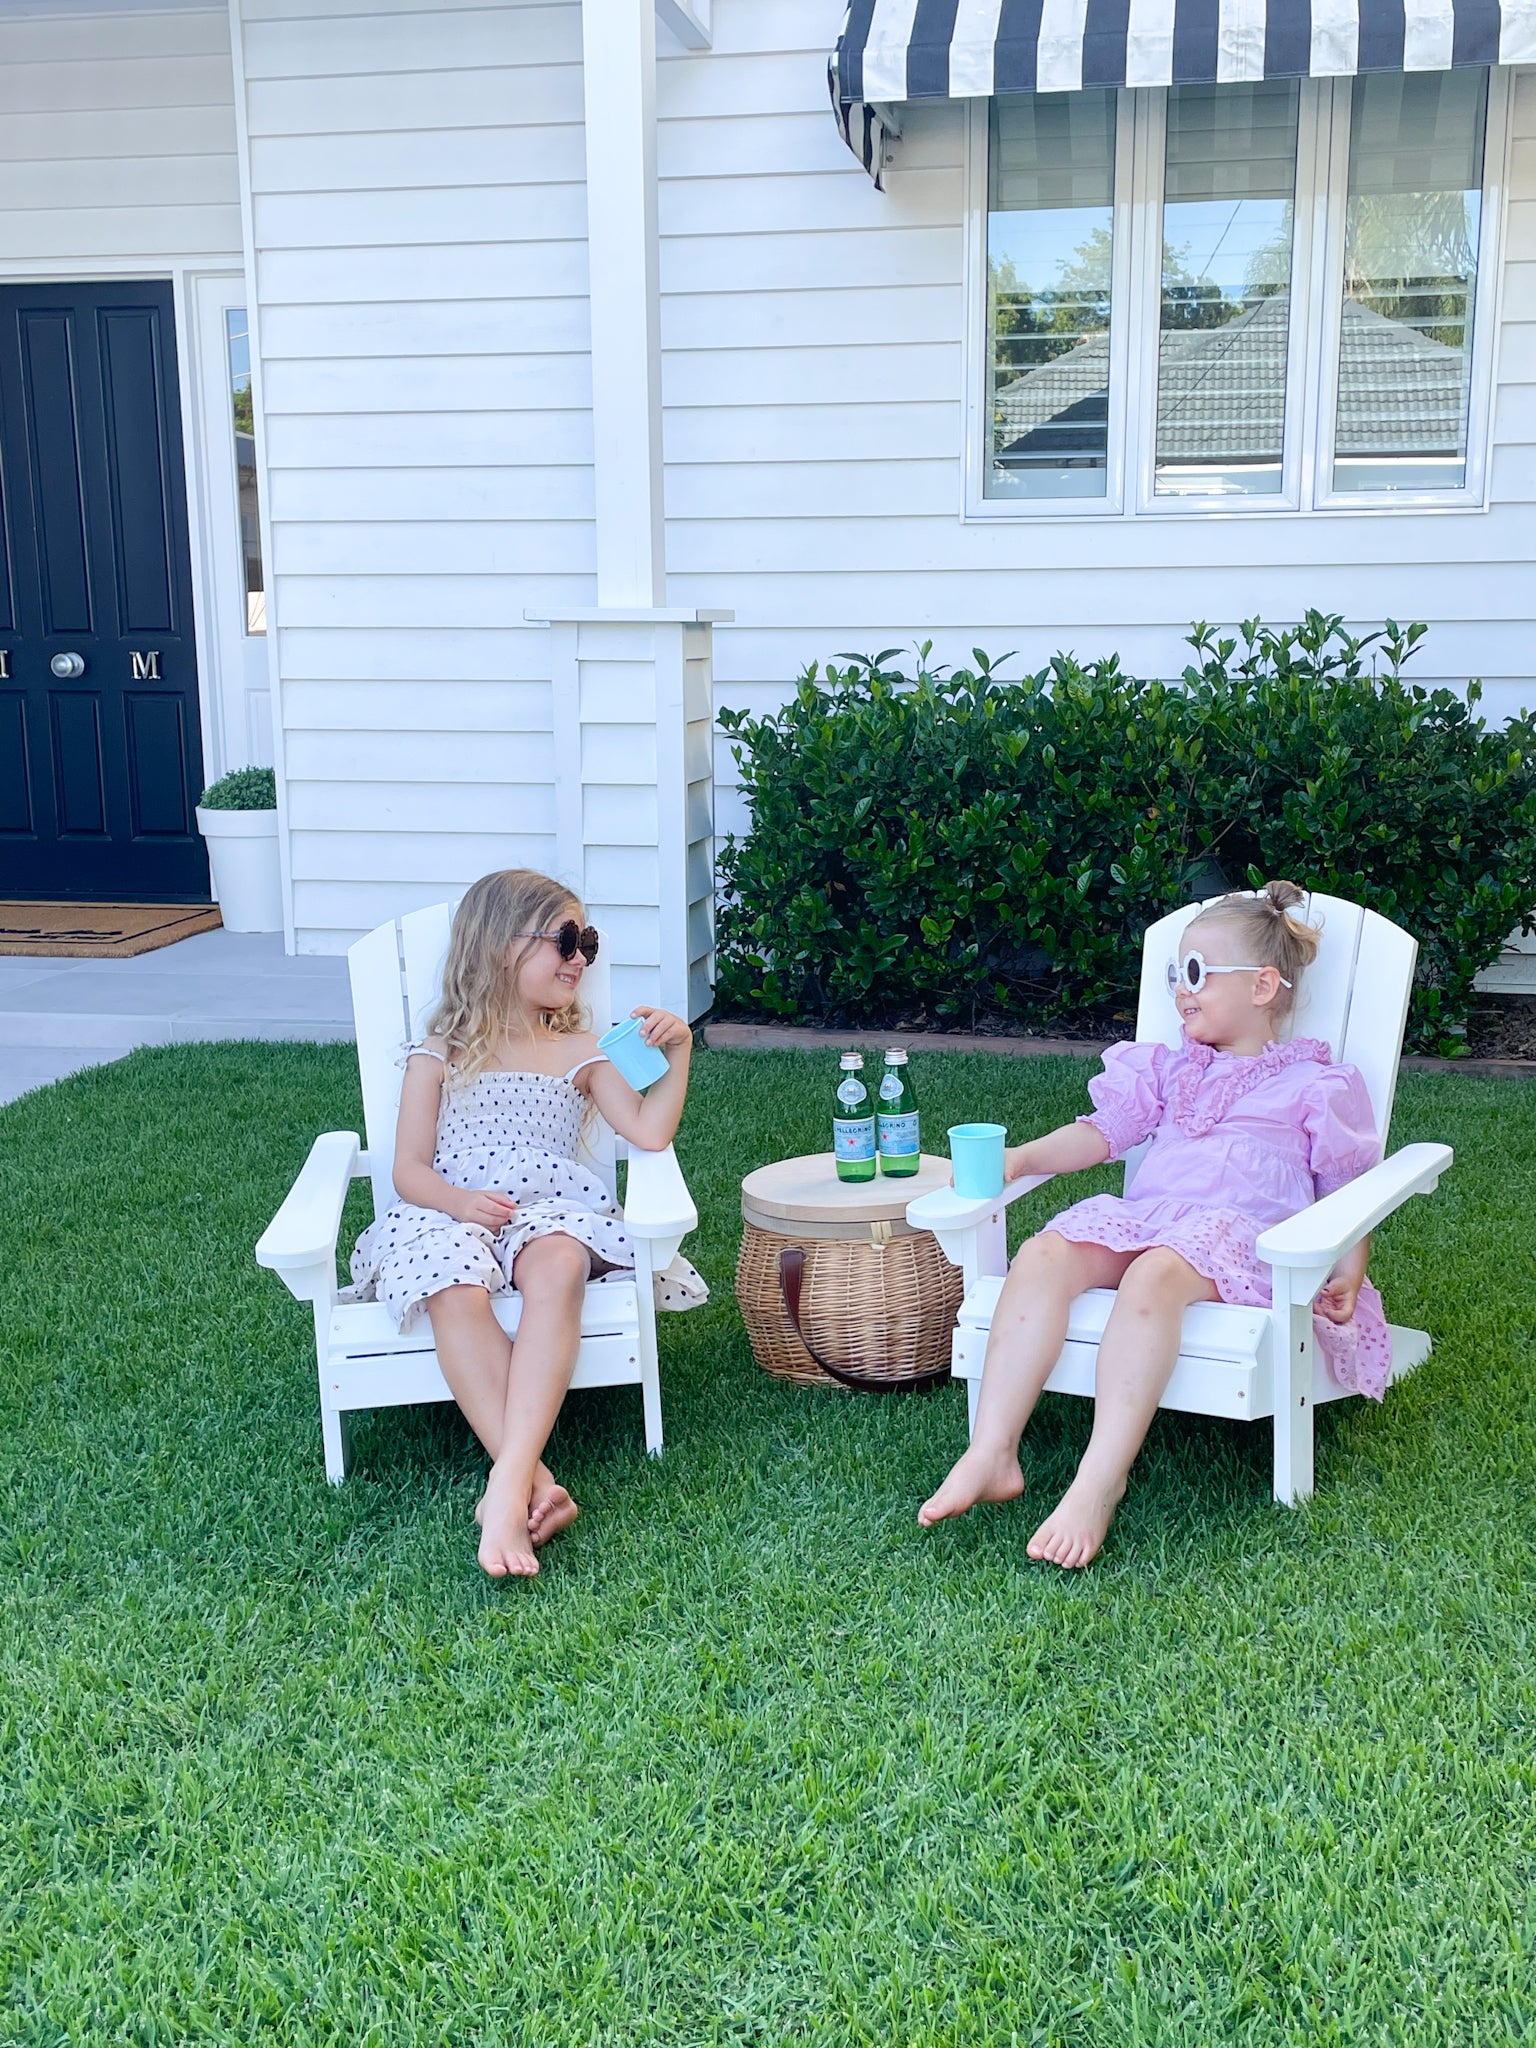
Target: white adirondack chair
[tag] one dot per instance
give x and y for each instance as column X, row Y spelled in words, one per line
column 365, row 1362
column 1249, row 1363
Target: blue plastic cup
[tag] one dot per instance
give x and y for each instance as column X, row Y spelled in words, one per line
column 976, row 1153
column 639, row 1063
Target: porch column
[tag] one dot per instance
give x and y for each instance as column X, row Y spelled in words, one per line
column 633, row 682
column 619, row 71
column 634, row 793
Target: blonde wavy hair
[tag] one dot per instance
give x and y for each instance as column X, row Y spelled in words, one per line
column 478, row 1008
column 1271, row 935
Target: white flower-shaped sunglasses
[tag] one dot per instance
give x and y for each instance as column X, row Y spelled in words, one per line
column 1194, row 968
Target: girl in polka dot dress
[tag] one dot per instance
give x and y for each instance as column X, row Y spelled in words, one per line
column 1245, row 1131
column 493, row 1196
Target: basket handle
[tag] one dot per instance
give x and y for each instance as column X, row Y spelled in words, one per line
column 791, row 1279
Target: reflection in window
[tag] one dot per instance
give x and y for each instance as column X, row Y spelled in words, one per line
column 1228, row 200
column 1410, row 276
column 237, row 333
column 1050, row 222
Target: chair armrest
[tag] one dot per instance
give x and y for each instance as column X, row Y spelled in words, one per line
column 657, row 1204
column 1321, row 1235
column 942, row 1209
column 303, row 1232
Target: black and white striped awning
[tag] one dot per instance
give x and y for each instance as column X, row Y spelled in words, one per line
column 895, row 50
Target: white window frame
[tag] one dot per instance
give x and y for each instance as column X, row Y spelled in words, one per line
column 1312, row 364
column 1472, row 495
column 977, row 408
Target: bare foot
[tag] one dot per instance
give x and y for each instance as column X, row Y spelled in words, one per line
column 550, row 1510
column 1073, row 1533
column 549, row 1498
column 977, row 1475
column 506, row 1549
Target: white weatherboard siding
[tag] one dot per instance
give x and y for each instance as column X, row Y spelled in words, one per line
column 814, row 334
column 117, row 143
column 418, row 217
column 417, row 188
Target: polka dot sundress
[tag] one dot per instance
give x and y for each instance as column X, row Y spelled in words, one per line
column 517, row 1133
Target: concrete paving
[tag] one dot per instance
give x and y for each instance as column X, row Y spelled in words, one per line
column 57, row 1016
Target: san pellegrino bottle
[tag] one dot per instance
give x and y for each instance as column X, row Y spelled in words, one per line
column 899, row 1134
column 853, row 1122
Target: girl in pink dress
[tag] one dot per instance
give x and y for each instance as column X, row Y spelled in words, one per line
column 1245, row 1131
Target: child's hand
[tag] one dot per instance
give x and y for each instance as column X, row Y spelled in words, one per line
column 660, row 1027
column 480, row 1205
column 1336, row 1300
column 1014, row 1167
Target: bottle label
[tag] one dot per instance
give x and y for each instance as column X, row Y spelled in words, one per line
column 853, row 1137
column 852, row 1091
column 890, row 1088
column 898, row 1135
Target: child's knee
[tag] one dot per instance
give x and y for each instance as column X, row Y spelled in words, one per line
column 464, row 1302
column 1159, row 1274
column 1042, row 1252
column 556, row 1264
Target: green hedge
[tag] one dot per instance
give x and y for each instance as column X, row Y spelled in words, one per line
column 951, row 846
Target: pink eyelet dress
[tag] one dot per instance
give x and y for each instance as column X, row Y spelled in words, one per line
column 515, row 1133
column 1238, row 1144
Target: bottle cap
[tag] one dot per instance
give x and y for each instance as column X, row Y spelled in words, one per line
column 851, row 1062
column 896, row 1056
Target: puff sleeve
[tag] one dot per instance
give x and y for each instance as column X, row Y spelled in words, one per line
column 1341, row 1128
column 1128, row 1096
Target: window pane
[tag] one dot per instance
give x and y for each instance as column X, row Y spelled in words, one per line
column 1050, row 222
column 1228, row 200
column 236, row 329
column 1410, row 273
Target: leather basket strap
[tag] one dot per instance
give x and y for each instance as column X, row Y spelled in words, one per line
column 791, row 1281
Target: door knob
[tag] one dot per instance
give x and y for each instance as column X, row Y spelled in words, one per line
column 66, row 665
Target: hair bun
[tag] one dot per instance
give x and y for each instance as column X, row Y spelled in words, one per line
column 1283, row 896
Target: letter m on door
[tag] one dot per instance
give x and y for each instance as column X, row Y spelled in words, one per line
column 146, row 667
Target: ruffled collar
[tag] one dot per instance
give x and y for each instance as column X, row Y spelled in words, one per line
column 1236, row 1076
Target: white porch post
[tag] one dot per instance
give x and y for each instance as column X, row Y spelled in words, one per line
column 632, row 679
column 634, row 785
column 618, row 39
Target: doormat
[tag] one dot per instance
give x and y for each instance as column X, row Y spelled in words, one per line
column 100, row 931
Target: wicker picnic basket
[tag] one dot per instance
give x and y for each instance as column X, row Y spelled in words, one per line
column 865, row 1297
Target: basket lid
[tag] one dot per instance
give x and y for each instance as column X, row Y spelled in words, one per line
column 807, row 1190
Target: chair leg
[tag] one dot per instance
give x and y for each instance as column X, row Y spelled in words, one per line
column 650, row 1397
column 336, row 1429
column 1294, row 1405
column 650, row 1368
column 972, row 1403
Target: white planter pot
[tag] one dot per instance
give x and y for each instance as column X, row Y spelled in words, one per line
column 242, row 852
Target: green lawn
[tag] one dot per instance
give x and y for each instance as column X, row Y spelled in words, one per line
column 756, row 1760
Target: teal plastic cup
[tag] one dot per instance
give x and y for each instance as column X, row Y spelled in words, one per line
column 976, row 1153
column 639, row 1063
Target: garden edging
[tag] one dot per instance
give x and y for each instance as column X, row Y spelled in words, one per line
column 741, row 1037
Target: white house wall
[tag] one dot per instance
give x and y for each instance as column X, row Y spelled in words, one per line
column 418, row 217
column 117, row 142
column 814, row 332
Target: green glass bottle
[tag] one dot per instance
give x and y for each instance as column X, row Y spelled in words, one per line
column 853, row 1122
column 899, row 1130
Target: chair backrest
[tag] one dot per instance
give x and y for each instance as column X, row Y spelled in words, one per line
column 397, row 974
column 1354, row 995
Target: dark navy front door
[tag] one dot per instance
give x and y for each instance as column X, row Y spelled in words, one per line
column 100, row 749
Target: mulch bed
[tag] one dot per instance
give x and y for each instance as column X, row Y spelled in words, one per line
column 1501, row 1038
column 1503, row 1028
